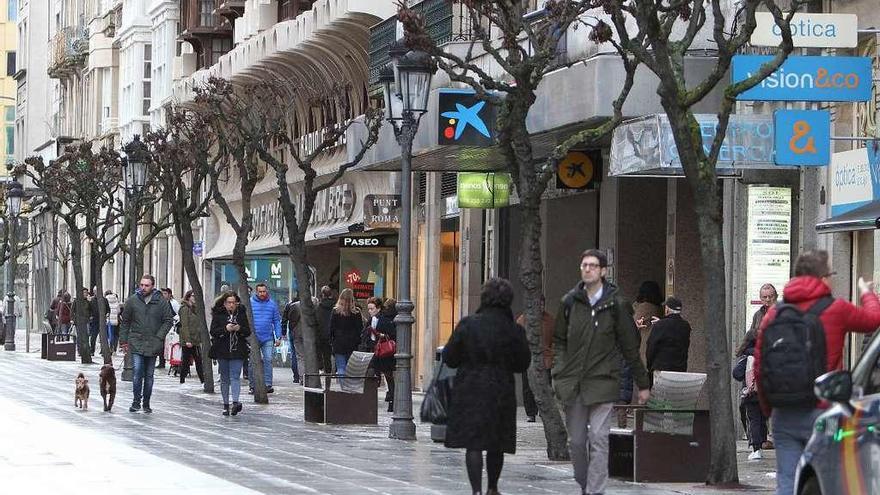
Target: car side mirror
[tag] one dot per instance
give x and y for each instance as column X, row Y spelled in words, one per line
column 835, row 386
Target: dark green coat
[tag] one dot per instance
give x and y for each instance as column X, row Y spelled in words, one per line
column 588, row 342
column 143, row 326
column 190, row 330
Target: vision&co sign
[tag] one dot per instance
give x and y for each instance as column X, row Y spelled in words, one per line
column 807, row 78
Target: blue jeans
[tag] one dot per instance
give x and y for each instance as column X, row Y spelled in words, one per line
column 267, row 349
column 143, row 377
column 792, row 429
column 111, row 335
column 341, row 362
column 230, row 375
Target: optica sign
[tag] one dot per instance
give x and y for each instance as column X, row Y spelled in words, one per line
column 855, row 179
column 809, row 30
column 807, row 78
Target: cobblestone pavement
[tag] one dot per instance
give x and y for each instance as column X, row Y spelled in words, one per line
column 186, row 443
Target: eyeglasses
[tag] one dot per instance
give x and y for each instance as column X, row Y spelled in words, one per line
column 590, row 266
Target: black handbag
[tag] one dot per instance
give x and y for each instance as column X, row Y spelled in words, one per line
column 435, row 405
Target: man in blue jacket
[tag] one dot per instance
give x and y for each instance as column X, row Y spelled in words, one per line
column 267, row 329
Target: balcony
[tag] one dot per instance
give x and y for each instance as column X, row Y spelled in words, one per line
column 446, row 21
column 68, row 52
column 230, row 9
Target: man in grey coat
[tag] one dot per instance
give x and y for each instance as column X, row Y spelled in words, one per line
column 145, row 321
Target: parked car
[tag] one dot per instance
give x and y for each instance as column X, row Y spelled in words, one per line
column 843, row 455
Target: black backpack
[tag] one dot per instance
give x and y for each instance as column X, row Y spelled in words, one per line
column 793, row 355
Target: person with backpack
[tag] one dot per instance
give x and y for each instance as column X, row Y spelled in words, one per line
column 799, row 340
column 594, row 327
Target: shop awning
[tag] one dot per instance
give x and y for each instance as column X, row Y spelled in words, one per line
column 865, row 217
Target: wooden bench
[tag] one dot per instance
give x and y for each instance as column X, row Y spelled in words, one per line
column 663, row 445
column 355, row 401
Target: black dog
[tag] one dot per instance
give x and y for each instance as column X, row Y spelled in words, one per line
column 108, row 385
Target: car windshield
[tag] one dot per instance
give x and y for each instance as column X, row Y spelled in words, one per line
column 866, row 374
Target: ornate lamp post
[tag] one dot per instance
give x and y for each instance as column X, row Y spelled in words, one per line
column 14, row 195
column 407, row 86
column 134, row 165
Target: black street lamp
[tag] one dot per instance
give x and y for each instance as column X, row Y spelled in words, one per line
column 134, row 165
column 14, row 195
column 406, row 86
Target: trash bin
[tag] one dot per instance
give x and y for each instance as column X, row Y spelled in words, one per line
column 438, row 432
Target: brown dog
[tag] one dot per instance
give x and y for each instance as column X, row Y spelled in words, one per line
column 108, row 385
column 81, row 396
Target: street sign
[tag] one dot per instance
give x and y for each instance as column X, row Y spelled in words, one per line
column 382, row 211
column 803, row 137
column 807, row 78
column 198, row 248
column 809, row 30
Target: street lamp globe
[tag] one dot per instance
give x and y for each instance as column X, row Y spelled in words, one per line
column 389, row 94
column 414, row 84
column 396, row 52
column 135, row 163
column 14, row 195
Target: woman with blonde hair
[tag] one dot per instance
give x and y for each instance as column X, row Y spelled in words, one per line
column 346, row 324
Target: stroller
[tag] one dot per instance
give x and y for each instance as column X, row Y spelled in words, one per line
column 173, row 352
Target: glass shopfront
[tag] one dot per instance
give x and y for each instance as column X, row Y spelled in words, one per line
column 367, row 265
column 276, row 273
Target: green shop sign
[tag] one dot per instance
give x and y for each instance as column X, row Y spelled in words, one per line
column 483, row 189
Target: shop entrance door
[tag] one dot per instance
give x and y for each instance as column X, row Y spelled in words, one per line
column 450, row 279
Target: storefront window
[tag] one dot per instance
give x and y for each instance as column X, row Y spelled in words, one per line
column 367, row 270
column 450, row 280
column 276, row 273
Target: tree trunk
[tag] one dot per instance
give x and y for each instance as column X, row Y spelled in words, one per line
column 106, row 355
column 81, row 315
column 308, row 317
column 531, row 268
column 703, row 181
column 185, row 238
column 255, row 379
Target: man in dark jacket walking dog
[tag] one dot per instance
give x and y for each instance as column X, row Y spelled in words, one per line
column 594, row 327
column 669, row 341
column 145, row 322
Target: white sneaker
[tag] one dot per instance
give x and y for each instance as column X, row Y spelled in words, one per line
column 756, row 455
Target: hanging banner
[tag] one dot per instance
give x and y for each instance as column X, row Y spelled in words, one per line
column 483, row 189
column 809, row 30
column 807, row 78
column 768, row 243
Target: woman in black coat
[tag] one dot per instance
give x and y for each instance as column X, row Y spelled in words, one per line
column 346, row 326
column 229, row 333
column 378, row 327
column 487, row 348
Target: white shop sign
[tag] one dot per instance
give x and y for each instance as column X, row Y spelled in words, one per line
column 809, row 30
column 851, row 184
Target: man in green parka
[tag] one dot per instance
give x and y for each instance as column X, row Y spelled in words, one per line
column 594, row 327
column 145, row 322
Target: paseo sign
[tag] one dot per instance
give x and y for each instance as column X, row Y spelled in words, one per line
column 808, row 30
column 807, row 78
column 361, row 242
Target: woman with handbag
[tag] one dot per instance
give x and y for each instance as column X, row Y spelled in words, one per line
column 229, row 333
column 486, row 348
column 346, row 326
column 380, row 338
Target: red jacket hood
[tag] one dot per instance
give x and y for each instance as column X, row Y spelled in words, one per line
column 805, row 288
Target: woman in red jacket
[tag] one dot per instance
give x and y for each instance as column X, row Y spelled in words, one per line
column 792, row 426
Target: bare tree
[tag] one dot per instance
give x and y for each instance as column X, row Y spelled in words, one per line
column 79, row 187
column 654, row 44
column 526, row 49
column 185, row 161
column 217, row 101
column 275, row 134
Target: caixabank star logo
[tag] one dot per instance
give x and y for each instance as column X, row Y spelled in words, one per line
column 465, row 120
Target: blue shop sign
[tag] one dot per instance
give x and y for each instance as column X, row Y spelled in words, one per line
column 748, row 140
column 803, row 137
column 807, row 78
